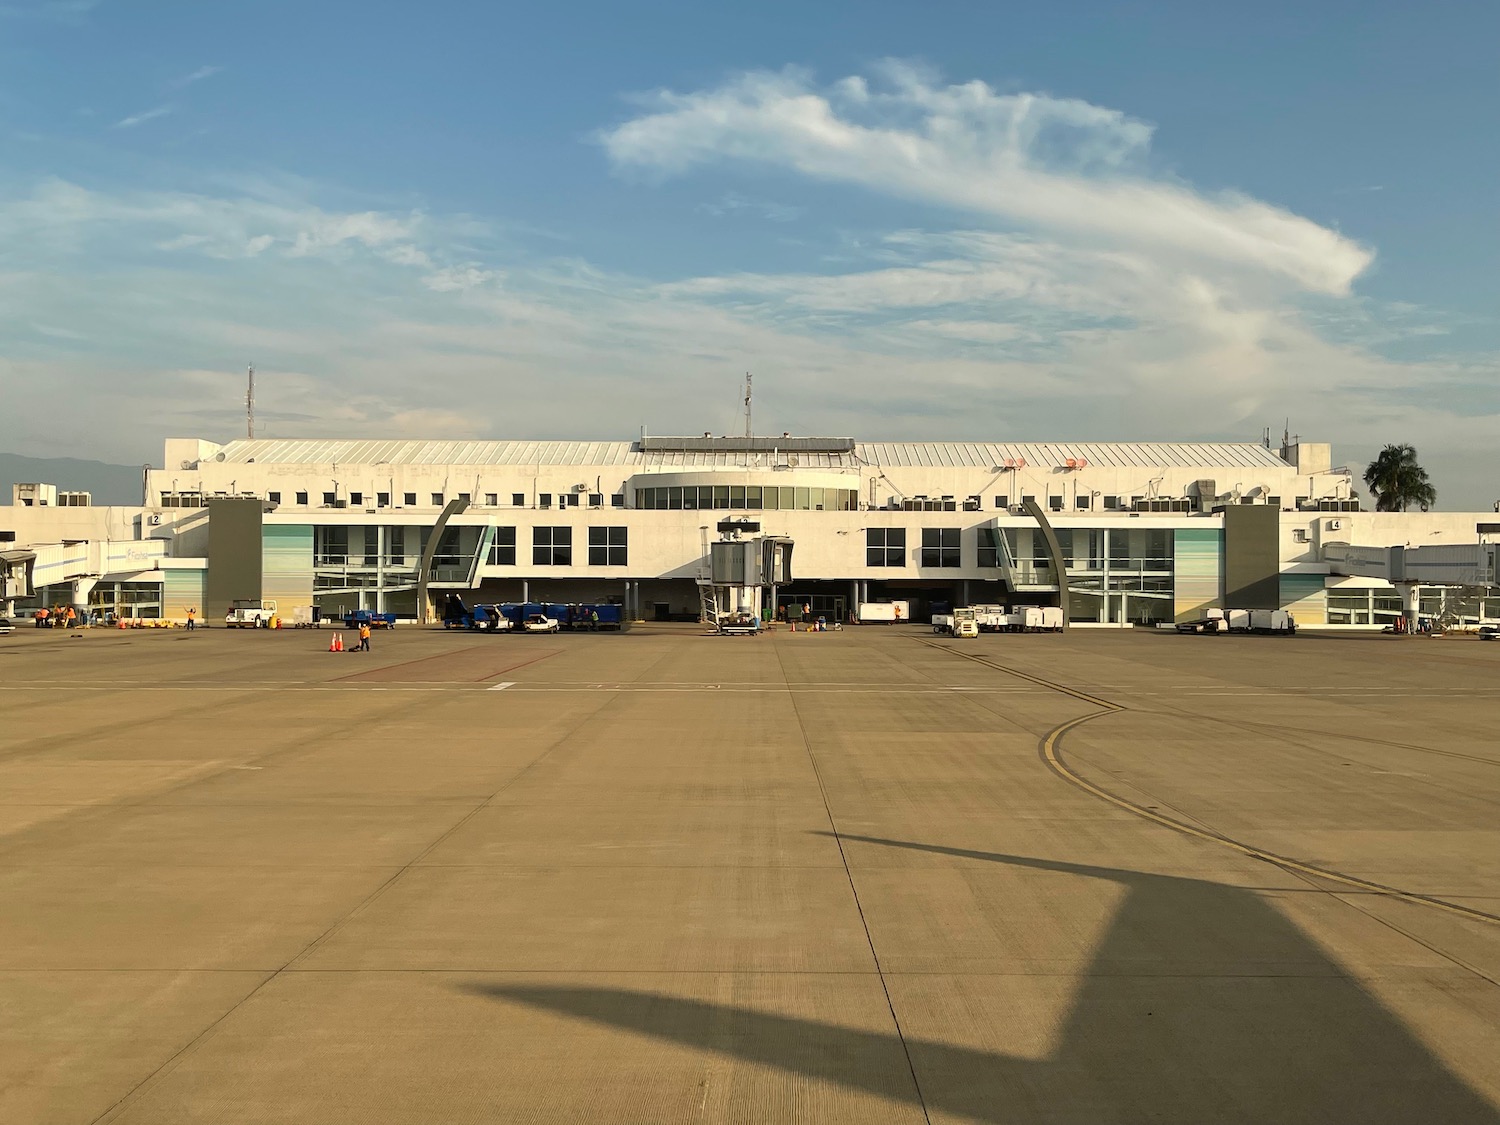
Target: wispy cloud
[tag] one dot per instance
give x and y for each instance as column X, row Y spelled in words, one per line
column 141, row 118
column 197, row 76
column 732, row 202
column 54, row 11
column 1054, row 164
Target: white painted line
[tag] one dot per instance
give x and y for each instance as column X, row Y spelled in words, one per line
column 503, row 684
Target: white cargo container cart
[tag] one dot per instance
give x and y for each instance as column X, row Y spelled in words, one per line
column 884, row 613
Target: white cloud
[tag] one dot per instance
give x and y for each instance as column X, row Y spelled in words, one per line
column 196, row 76
column 55, row 11
column 1078, row 295
column 732, row 202
column 141, row 118
column 458, row 278
column 1057, row 165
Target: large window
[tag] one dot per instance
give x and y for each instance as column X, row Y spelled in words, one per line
column 503, row 547
column 608, row 546
column 331, row 546
column 940, row 546
column 989, row 547
column 551, row 546
column 885, row 546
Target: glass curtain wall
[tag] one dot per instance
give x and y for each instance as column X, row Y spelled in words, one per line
column 1116, row 575
column 749, row 497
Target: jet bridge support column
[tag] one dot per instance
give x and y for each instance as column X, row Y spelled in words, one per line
column 424, row 571
column 82, row 588
column 1411, row 603
column 1054, row 554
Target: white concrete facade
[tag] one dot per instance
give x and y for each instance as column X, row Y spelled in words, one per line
column 346, row 521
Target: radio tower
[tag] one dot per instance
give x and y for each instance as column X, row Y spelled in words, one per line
column 749, row 429
column 250, row 404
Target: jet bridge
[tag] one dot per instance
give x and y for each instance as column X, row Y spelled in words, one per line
column 1465, row 566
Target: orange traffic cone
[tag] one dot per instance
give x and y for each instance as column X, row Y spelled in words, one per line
column 335, row 644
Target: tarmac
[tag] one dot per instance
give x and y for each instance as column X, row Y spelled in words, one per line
column 864, row 876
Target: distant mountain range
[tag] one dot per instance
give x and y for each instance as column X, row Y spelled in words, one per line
column 109, row 484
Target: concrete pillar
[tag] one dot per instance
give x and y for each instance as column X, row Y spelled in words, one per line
column 963, row 592
column 82, row 588
column 1411, row 601
column 853, row 599
column 526, row 591
column 381, row 546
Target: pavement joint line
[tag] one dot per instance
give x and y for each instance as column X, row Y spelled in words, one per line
column 1051, row 754
column 890, row 1003
column 166, row 1068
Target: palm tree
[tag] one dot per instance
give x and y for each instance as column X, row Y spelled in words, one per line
column 1398, row 481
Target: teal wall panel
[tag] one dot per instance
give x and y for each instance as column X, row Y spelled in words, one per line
column 1197, row 568
column 287, row 565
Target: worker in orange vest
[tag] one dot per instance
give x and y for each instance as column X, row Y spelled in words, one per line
column 364, row 638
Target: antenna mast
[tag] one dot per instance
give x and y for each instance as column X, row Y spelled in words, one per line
column 749, row 429
column 250, row 403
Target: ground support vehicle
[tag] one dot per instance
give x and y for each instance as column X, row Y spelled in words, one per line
column 250, row 613
column 1264, row 621
column 488, row 619
column 355, row 618
column 1272, row 621
column 1211, row 622
column 962, row 622
column 739, row 624
column 990, row 618
column 7, row 626
column 540, row 623
column 582, row 617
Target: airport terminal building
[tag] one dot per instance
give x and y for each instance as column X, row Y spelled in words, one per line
column 1120, row 533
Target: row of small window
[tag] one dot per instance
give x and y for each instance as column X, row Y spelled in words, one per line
column 553, row 546
column 749, row 497
column 491, row 499
column 1085, row 503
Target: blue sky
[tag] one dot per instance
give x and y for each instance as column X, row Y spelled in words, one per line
column 940, row 220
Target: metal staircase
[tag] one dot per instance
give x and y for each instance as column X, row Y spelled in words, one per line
column 708, row 595
column 708, row 602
